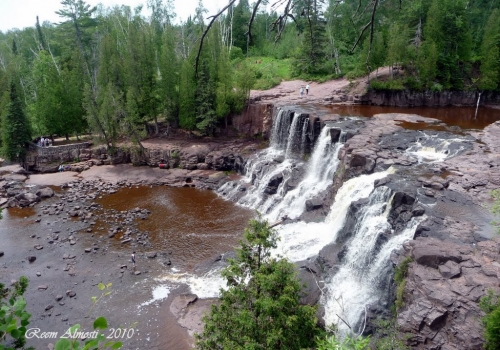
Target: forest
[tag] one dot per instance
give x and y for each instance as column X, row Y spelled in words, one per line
column 119, row 75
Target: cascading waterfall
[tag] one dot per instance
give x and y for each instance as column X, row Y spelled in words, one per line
column 359, row 281
column 288, row 140
column 300, row 240
column 365, row 265
column 321, row 168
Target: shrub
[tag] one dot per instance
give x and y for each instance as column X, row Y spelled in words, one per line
column 400, row 273
column 490, row 304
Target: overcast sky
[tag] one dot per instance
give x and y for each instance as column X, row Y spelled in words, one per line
column 22, row 13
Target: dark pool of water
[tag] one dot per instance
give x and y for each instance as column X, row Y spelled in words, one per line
column 194, row 225
column 462, row 117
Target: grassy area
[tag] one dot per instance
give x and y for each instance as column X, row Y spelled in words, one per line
column 269, row 71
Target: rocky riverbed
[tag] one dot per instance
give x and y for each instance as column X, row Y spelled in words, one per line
column 66, row 239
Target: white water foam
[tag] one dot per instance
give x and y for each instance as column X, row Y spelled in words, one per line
column 357, row 283
column 299, row 241
column 159, row 293
column 431, row 149
column 319, row 176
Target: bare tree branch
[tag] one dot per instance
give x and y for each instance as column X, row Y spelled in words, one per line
column 361, row 35
column 357, row 9
column 205, row 32
column 249, row 32
column 372, row 21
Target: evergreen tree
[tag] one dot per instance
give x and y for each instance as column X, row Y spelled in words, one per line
column 311, row 56
column 241, row 16
column 15, row 128
column 447, row 26
column 490, row 50
column 260, row 309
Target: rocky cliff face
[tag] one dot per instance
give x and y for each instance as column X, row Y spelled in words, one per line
column 428, row 98
column 456, row 260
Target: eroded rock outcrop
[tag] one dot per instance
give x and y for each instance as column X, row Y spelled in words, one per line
column 444, row 285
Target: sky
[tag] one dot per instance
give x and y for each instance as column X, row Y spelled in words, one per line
column 22, row 13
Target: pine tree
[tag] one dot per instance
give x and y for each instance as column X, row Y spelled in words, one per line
column 15, row 128
column 260, row 309
column 490, row 50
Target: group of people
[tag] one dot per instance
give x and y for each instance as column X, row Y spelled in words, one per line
column 64, row 168
column 302, row 90
column 44, row 142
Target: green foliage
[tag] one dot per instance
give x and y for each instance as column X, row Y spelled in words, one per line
column 495, row 209
column 260, row 309
column 388, row 337
column 269, row 72
column 98, row 339
column 16, row 131
column 490, row 304
column 400, row 273
column 348, row 343
column 490, row 51
column 13, row 317
column 393, row 85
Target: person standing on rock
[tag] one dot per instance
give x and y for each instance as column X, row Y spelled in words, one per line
column 301, row 91
column 132, row 257
column 307, row 89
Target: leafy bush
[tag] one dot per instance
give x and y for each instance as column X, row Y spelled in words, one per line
column 392, row 85
column 13, row 316
column 349, row 343
column 490, row 304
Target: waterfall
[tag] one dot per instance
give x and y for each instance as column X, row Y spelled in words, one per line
column 267, row 175
column 300, row 240
column 477, row 105
column 321, row 168
column 360, row 279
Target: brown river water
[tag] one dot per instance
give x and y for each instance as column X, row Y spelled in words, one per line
column 193, row 225
column 463, row 117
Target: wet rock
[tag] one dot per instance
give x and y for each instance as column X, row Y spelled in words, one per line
column 70, row 293
column 48, row 307
column 31, row 258
column 38, row 274
column 151, row 255
column 313, row 204
column 274, row 182
column 45, row 192
column 88, row 250
column 335, row 135
column 59, row 297
column 402, row 198
column 38, row 247
column 418, row 211
column 43, row 287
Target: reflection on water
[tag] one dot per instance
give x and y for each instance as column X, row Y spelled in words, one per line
column 462, row 117
column 19, row 213
column 192, row 224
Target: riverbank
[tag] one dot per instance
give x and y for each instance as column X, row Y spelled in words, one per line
column 81, row 237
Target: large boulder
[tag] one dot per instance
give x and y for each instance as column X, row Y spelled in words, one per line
column 45, row 192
